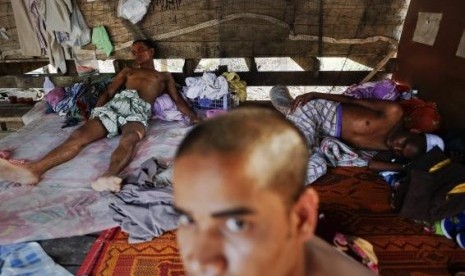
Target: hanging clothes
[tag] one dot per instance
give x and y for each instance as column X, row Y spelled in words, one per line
column 65, row 18
column 38, row 23
column 58, row 15
column 27, row 37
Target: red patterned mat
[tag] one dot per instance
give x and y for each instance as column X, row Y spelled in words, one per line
column 356, row 202
column 111, row 254
column 353, row 200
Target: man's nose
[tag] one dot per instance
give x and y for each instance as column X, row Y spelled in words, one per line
column 207, row 256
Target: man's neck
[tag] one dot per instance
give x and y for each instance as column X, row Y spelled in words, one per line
column 147, row 65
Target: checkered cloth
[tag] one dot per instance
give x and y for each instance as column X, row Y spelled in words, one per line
column 28, row 259
column 333, row 152
column 316, row 119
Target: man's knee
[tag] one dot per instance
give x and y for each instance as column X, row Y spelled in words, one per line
column 130, row 139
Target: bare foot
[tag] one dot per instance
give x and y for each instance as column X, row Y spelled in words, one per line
column 17, row 173
column 107, row 183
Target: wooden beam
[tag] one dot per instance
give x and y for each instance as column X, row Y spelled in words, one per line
column 23, row 67
column 308, row 63
column 304, row 78
column 251, row 64
column 37, row 81
column 189, row 65
column 16, row 68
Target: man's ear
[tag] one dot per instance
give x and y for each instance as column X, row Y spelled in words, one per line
column 306, row 209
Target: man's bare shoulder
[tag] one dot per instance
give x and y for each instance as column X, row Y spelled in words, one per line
column 323, row 259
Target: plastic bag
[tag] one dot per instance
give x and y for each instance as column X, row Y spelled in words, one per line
column 132, row 10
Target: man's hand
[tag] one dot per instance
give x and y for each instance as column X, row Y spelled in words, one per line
column 195, row 120
column 301, row 100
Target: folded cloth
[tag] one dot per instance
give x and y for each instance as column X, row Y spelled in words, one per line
column 381, row 90
column 55, row 95
column 165, row 108
column 237, row 85
column 339, row 154
column 208, row 86
column 335, row 153
column 144, row 206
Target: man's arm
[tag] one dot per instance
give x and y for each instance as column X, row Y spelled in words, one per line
column 386, row 108
column 179, row 100
column 117, row 82
column 379, row 166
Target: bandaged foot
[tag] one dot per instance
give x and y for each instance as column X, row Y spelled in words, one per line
column 107, row 183
column 17, row 173
column 281, row 99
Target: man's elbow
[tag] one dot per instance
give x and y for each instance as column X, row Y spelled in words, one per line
column 395, row 110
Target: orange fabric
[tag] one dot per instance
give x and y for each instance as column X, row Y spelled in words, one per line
column 356, row 201
column 157, row 257
column 421, row 116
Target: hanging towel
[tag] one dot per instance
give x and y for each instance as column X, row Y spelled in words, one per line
column 101, row 40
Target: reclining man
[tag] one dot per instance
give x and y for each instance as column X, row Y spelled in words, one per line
column 239, row 186
column 126, row 112
column 362, row 124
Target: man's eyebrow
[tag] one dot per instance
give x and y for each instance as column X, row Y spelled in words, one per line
column 240, row 211
column 179, row 210
column 233, row 212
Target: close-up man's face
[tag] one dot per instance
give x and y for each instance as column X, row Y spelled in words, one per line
column 229, row 225
column 141, row 52
column 405, row 145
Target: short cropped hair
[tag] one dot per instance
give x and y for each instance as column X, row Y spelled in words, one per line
column 273, row 147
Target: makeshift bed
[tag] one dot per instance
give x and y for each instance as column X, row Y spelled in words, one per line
column 63, row 203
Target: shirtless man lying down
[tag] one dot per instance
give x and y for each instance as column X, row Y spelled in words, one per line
column 126, row 112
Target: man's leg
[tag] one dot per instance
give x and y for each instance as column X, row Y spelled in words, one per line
column 30, row 173
column 132, row 133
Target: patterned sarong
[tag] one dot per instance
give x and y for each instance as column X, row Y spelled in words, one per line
column 125, row 107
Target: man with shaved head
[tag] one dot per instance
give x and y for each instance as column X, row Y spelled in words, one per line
column 244, row 209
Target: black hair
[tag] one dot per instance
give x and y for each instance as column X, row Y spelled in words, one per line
column 149, row 43
column 253, row 132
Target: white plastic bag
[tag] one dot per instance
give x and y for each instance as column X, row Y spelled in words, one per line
column 132, row 10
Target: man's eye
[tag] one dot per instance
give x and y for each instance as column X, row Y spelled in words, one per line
column 185, row 220
column 236, row 225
